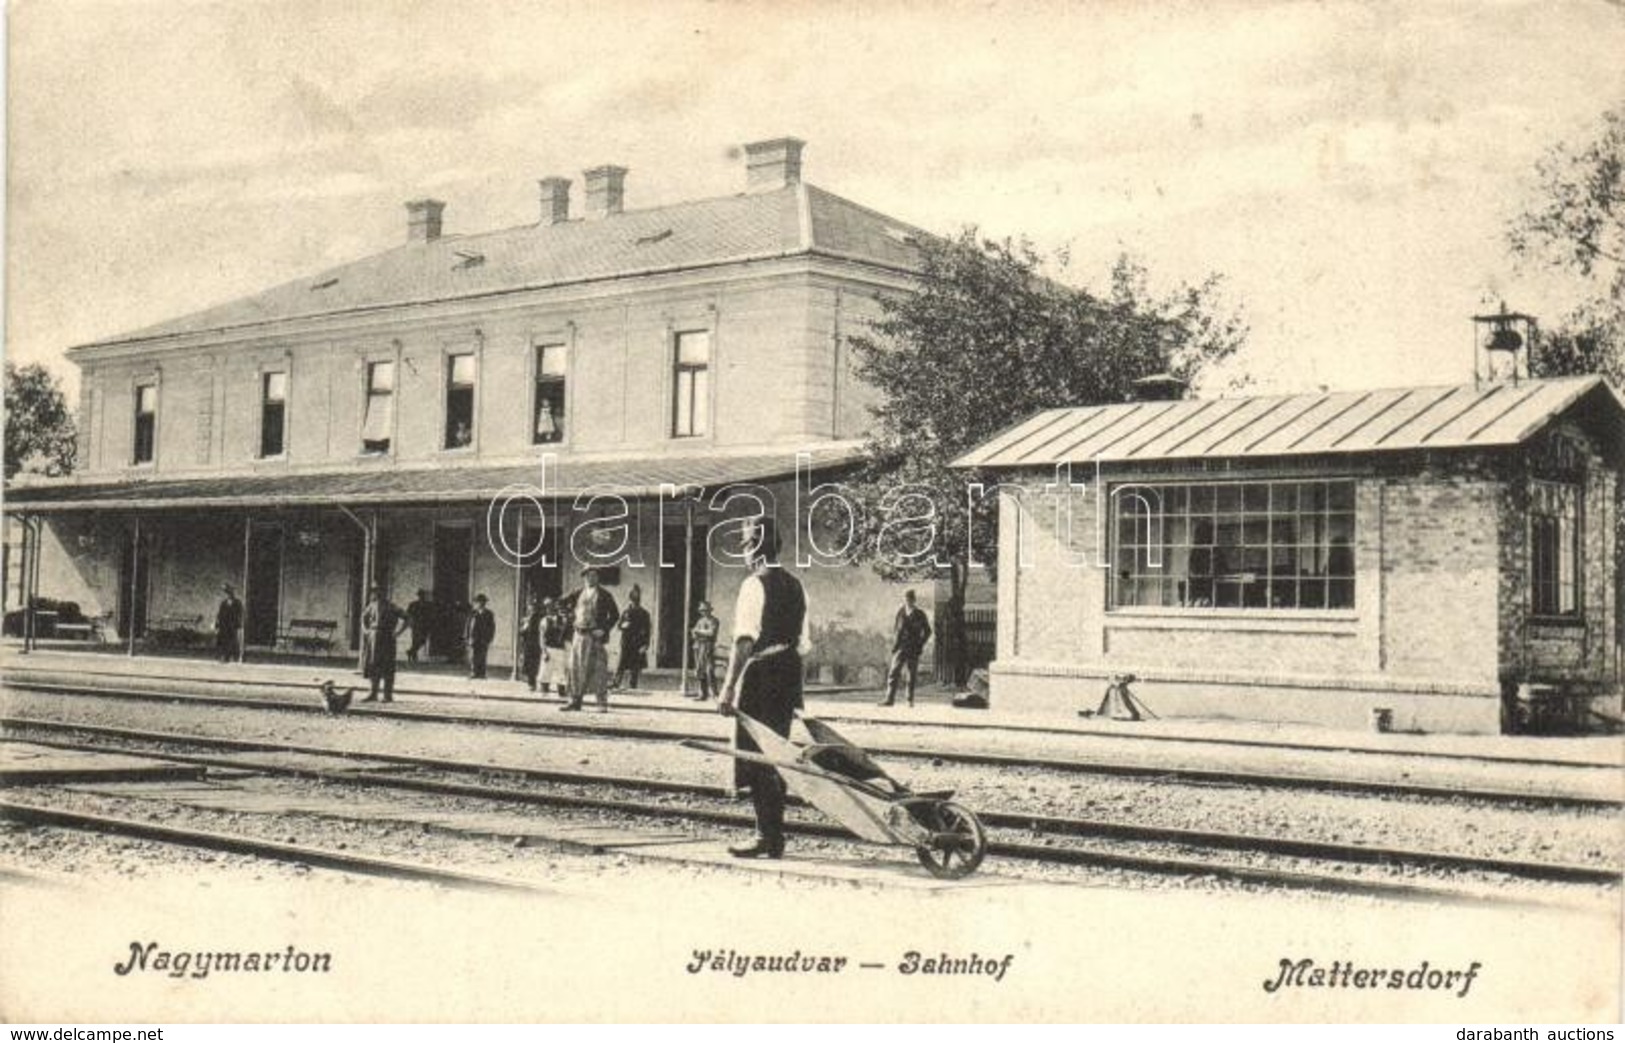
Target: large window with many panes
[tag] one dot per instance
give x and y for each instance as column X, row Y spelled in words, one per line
column 551, row 371
column 1554, row 545
column 146, row 423
column 1234, row 545
column 691, row 405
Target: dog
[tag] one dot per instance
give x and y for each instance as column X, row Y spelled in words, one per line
column 337, row 702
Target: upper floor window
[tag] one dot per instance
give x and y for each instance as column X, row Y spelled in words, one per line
column 691, row 406
column 146, row 423
column 378, row 421
column 1247, row 545
column 459, row 401
column 273, row 413
column 1554, row 549
column 550, row 376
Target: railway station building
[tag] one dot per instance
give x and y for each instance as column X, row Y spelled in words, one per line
column 603, row 373
column 1438, row 559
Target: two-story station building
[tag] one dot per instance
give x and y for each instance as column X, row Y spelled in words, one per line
column 359, row 423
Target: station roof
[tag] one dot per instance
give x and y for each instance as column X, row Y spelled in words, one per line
column 633, row 478
column 1459, row 417
column 799, row 219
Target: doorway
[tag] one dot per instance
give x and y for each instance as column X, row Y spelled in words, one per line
column 544, row 576
column 453, row 568
column 669, row 643
column 263, row 601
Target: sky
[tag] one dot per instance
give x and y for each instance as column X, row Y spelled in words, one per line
column 1348, row 168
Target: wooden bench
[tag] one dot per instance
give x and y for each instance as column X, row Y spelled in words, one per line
column 91, row 628
column 177, row 632
column 308, row 635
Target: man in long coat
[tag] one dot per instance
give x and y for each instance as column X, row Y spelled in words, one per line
column 381, row 624
column 593, row 615
column 228, row 625
column 764, row 678
column 911, row 629
column 478, row 633
column 636, row 629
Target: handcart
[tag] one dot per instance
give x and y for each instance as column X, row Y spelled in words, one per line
column 845, row 783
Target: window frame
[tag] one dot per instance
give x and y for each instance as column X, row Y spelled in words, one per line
column 678, row 369
column 1247, row 521
column 538, row 346
column 448, row 363
column 139, row 385
column 1574, row 492
column 368, row 365
column 265, row 376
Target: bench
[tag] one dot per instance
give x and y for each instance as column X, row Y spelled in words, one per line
column 177, row 631
column 308, row 635
column 91, row 628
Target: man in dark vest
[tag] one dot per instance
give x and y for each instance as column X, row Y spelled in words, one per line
column 764, row 677
column 910, row 631
column 480, row 631
column 228, row 625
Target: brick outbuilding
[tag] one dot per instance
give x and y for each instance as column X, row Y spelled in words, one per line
column 1440, row 553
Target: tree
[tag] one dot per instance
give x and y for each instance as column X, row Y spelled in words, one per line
column 986, row 341
column 1576, row 223
column 40, row 436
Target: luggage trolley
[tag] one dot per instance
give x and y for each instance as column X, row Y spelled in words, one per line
column 845, row 783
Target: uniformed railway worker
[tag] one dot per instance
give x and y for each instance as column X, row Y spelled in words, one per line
column 764, row 678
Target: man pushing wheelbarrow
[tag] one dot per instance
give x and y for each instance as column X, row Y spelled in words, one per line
column 762, row 692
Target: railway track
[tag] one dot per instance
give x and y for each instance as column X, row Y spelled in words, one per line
column 1013, row 835
column 1273, row 780
column 236, row 843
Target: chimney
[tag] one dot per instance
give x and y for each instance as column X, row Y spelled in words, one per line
column 606, row 187
column 423, row 220
column 555, row 200
column 773, row 164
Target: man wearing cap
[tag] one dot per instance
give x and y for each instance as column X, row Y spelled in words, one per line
column 478, row 633
column 764, row 678
column 381, row 623
column 228, row 625
column 593, row 614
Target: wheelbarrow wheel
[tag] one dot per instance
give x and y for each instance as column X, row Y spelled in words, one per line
column 958, row 843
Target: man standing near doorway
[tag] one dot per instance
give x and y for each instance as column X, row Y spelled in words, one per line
column 593, row 615
column 479, row 632
column 228, row 626
column 636, row 629
column 910, row 631
column 420, row 616
column 764, row 678
column 704, row 636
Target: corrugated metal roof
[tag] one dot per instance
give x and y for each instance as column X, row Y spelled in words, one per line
column 633, row 478
column 798, row 219
column 1290, row 425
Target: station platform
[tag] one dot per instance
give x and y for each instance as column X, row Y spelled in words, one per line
column 1585, row 766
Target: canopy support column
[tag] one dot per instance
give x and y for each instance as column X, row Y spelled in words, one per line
column 135, row 582
column 688, row 588
column 242, row 631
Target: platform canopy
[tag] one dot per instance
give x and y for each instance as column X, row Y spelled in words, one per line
column 639, row 477
column 1399, row 419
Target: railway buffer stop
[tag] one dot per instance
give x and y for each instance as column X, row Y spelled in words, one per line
column 1435, row 559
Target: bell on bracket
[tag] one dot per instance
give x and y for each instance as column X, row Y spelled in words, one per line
column 1504, row 347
